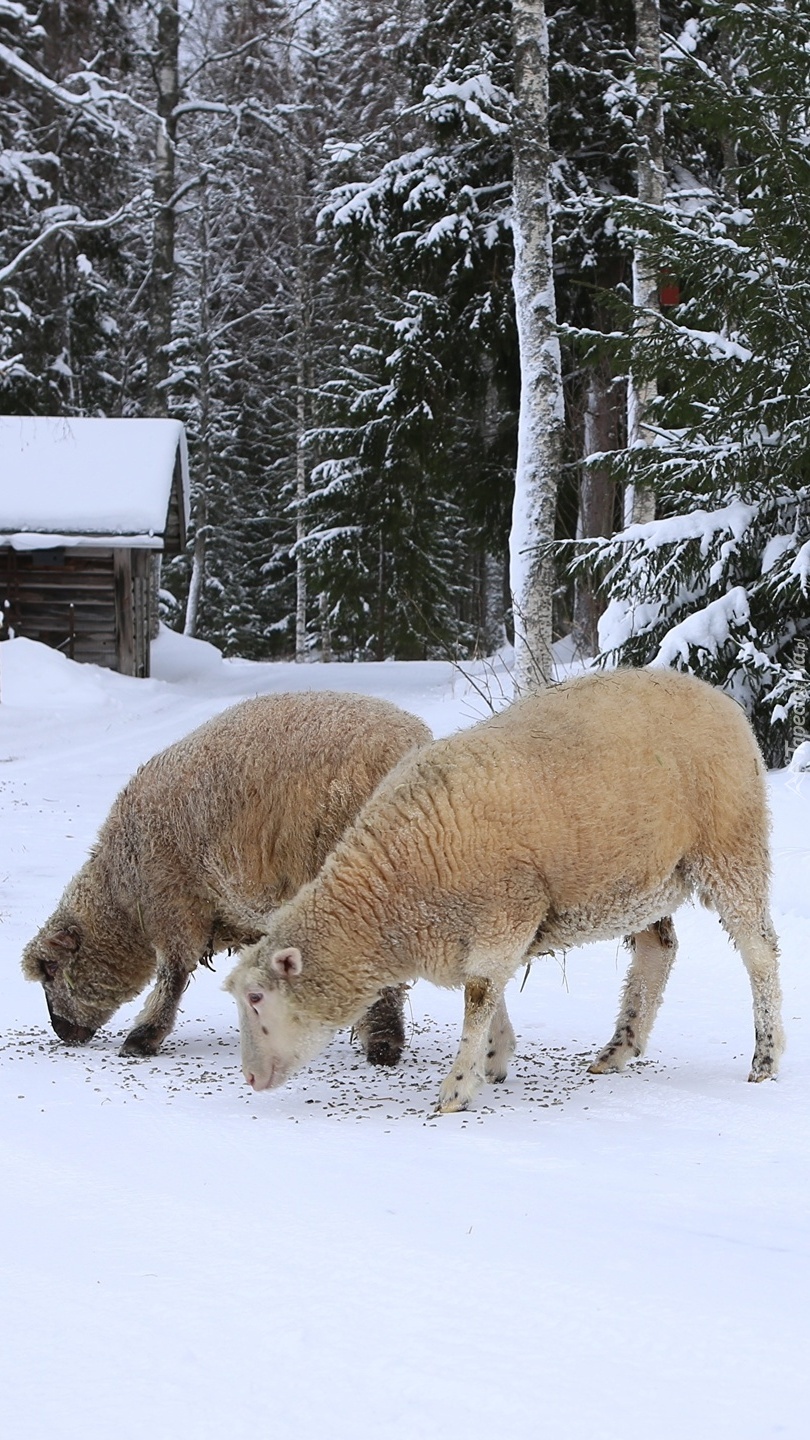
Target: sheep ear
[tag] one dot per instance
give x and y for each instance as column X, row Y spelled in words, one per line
column 61, row 940
column 287, row 962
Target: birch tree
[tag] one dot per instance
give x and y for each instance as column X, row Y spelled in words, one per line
column 641, row 392
column 302, row 322
column 167, row 80
column 540, row 431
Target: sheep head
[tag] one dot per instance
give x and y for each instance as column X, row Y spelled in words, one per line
column 277, row 1035
column 88, row 965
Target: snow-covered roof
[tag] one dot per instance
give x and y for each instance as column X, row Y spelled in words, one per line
column 68, row 480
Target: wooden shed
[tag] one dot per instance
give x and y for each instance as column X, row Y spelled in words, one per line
column 88, row 508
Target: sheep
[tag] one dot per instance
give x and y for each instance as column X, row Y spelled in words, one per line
column 204, row 839
column 585, row 812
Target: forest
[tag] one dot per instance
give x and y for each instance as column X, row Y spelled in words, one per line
column 307, row 230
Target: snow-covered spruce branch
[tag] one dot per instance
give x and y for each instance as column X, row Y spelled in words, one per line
column 707, row 629
column 69, row 224
column 476, row 97
column 734, row 519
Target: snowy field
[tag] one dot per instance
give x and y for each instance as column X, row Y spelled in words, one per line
column 589, row 1258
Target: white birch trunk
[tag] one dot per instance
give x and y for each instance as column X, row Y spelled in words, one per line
column 300, row 524
column 163, row 236
column 196, row 582
column 541, row 403
column 639, row 504
column 302, row 339
column 204, row 458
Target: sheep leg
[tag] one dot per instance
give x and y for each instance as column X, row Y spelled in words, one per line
column 741, row 902
column 481, row 1002
column 381, row 1031
column 760, row 954
column 500, row 1045
column 159, row 1013
column 654, row 951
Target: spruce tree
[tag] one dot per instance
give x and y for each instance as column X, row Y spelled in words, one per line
column 417, row 430
column 719, row 584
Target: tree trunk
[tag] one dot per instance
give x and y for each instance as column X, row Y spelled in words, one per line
column 302, row 372
column 203, row 467
column 197, row 569
column 597, row 492
column 326, row 630
column 300, row 518
column 640, row 500
column 541, row 402
column 162, row 282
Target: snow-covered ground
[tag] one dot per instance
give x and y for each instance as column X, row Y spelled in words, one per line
column 576, row 1257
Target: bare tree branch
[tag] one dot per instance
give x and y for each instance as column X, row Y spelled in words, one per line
column 86, row 103
column 76, row 223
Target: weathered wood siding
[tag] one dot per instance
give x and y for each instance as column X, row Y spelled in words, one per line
column 174, row 536
column 58, row 594
column 95, row 605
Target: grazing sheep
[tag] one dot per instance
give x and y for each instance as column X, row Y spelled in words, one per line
column 219, row 828
column 582, row 813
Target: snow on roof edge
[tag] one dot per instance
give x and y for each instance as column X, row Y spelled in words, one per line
column 34, row 540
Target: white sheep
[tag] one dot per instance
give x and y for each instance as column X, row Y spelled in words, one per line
column 209, row 835
column 586, row 812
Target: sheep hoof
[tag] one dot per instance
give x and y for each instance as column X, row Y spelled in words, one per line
column 144, row 1040
column 455, row 1094
column 451, row 1107
column 603, row 1065
column 614, row 1057
column 384, row 1051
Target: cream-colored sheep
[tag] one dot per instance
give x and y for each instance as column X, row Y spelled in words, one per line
column 207, row 836
column 587, row 812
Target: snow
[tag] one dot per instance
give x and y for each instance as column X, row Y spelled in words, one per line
column 87, row 477
column 476, row 95
column 723, row 347
column 702, row 525
column 774, row 550
column 577, row 1255
column 801, row 566
column 707, row 629
column 800, row 759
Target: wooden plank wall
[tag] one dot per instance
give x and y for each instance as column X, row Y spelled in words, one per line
column 174, row 535
column 63, row 598
column 98, row 606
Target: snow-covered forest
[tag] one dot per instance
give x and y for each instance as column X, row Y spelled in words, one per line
column 488, row 322
column 294, row 226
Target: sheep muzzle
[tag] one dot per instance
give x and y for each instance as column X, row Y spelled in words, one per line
column 68, row 1030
